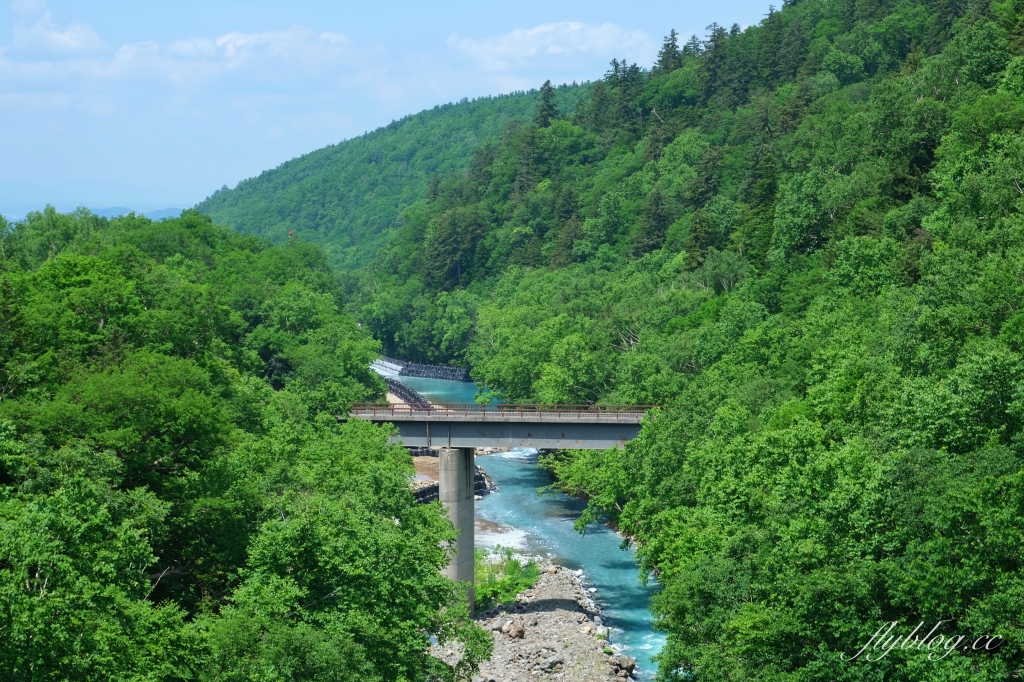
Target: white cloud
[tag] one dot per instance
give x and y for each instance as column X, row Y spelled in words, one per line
column 565, row 38
column 28, row 7
column 193, row 48
column 296, row 44
column 45, row 36
column 72, row 53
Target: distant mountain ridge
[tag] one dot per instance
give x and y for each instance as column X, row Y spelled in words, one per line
column 347, row 197
column 154, row 214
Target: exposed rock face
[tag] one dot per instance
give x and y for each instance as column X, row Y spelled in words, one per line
column 550, row 633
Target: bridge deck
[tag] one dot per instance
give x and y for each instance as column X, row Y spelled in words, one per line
column 563, row 414
column 538, row 426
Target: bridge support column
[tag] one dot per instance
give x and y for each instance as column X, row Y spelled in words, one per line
column 457, row 472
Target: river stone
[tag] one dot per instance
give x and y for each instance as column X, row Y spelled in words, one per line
column 507, row 626
column 627, row 663
column 550, row 663
column 515, row 631
column 597, row 620
column 602, row 631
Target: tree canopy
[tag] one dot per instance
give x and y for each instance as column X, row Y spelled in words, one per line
column 349, row 197
column 804, row 240
column 177, row 498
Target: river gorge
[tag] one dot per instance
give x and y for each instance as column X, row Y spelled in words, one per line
column 520, row 516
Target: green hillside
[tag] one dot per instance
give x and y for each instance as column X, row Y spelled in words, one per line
column 348, row 197
column 177, row 498
column 805, row 240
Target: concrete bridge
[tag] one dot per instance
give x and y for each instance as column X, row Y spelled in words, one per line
column 457, row 430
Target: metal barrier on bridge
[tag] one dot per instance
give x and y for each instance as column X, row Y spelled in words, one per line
column 472, row 411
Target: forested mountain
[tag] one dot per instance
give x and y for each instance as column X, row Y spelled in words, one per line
column 804, row 240
column 349, row 197
column 177, row 498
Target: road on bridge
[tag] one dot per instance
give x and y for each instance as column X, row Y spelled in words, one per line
column 568, row 427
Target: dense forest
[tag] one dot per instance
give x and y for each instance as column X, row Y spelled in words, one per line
column 177, row 498
column 349, row 197
column 805, row 241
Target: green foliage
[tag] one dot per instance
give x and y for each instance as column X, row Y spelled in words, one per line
column 349, row 197
column 804, row 240
column 500, row 576
column 177, row 497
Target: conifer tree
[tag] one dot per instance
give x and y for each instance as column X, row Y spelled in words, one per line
column 434, row 188
column 669, row 56
column 547, row 111
column 656, row 216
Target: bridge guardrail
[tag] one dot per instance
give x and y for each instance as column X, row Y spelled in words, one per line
column 609, row 412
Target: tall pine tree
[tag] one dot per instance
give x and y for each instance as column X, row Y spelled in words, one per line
column 546, row 111
column 655, row 217
column 669, row 57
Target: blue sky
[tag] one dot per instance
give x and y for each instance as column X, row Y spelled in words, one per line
column 157, row 104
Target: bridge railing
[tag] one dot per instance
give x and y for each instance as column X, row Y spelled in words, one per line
column 610, row 412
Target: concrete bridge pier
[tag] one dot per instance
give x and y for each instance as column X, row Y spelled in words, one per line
column 457, row 470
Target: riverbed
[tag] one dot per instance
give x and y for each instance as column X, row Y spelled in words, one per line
column 543, row 524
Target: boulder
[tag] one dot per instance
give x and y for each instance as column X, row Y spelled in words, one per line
column 627, row 663
column 602, row 631
column 507, row 626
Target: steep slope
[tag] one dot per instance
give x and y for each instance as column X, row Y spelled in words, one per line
column 347, row 197
column 805, row 240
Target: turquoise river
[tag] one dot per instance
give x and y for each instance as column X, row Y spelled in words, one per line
column 542, row 524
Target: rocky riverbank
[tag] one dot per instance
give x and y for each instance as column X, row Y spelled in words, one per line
column 553, row 631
